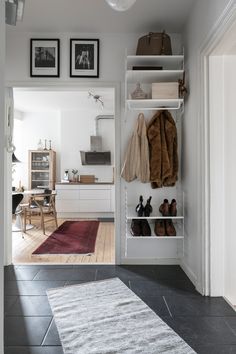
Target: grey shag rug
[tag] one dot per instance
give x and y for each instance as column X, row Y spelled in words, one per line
column 106, row 317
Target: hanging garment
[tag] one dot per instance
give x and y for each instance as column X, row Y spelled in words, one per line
column 136, row 163
column 162, row 136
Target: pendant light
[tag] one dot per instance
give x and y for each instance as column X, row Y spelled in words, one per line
column 120, row 5
column 15, row 159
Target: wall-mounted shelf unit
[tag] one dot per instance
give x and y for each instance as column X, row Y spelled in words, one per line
column 177, row 220
column 179, row 233
column 131, row 214
column 146, row 70
column 168, row 62
column 151, row 104
column 153, row 245
column 150, row 76
column 158, row 68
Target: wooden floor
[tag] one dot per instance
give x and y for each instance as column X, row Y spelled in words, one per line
column 22, row 248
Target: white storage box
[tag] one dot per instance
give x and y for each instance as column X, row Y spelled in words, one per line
column 165, row 90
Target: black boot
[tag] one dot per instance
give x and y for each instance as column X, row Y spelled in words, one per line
column 140, row 208
column 148, row 207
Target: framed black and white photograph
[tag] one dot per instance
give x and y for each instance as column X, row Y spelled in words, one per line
column 84, row 57
column 44, row 57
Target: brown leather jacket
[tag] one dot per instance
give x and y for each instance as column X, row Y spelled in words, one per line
column 162, row 137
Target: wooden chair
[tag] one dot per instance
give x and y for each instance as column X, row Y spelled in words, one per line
column 44, row 205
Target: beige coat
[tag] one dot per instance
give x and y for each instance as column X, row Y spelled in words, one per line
column 136, row 164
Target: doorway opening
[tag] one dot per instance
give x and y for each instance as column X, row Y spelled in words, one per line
column 53, row 129
column 220, row 75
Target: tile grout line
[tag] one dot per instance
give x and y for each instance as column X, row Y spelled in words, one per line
column 47, row 331
column 36, row 274
column 230, row 328
column 167, row 306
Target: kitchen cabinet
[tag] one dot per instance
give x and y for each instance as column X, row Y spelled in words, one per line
column 91, row 200
column 42, row 169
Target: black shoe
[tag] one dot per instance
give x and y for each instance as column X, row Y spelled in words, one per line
column 148, row 207
column 140, row 208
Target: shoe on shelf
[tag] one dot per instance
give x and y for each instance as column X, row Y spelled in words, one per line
column 173, row 208
column 148, row 207
column 159, row 228
column 164, row 208
column 136, row 227
column 140, row 208
column 170, row 229
column 146, row 230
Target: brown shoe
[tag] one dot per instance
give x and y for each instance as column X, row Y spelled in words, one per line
column 164, row 208
column 172, row 208
column 159, row 228
column 136, row 228
column 146, row 230
column 170, row 229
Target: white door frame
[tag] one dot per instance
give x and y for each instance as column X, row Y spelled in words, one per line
column 67, row 85
column 2, row 163
column 211, row 243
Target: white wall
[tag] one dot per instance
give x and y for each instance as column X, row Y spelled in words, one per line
column 27, row 132
column 230, row 177
column 113, row 49
column 69, row 132
column 216, row 172
column 76, row 128
column 201, row 21
column 2, row 105
column 112, row 54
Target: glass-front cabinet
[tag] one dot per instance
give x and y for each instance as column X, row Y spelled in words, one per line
column 42, row 169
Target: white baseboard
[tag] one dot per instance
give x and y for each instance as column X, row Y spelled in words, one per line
column 188, row 271
column 230, row 303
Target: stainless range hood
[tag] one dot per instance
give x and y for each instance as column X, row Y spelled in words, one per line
column 96, row 156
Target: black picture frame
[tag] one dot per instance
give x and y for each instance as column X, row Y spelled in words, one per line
column 84, row 57
column 44, row 57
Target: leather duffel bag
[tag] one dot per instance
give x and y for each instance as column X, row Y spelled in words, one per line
column 154, row 44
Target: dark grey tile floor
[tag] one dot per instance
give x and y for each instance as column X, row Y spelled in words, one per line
column 207, row 324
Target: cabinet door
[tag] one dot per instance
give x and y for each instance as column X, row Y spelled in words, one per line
column 93, row 206
column 67, row 206
column 67, row 194
column 94, row 194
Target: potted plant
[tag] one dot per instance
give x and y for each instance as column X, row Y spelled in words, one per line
column 74, row 172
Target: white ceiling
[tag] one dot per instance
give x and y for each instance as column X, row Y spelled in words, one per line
column 96, row 16
column 48, row 101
